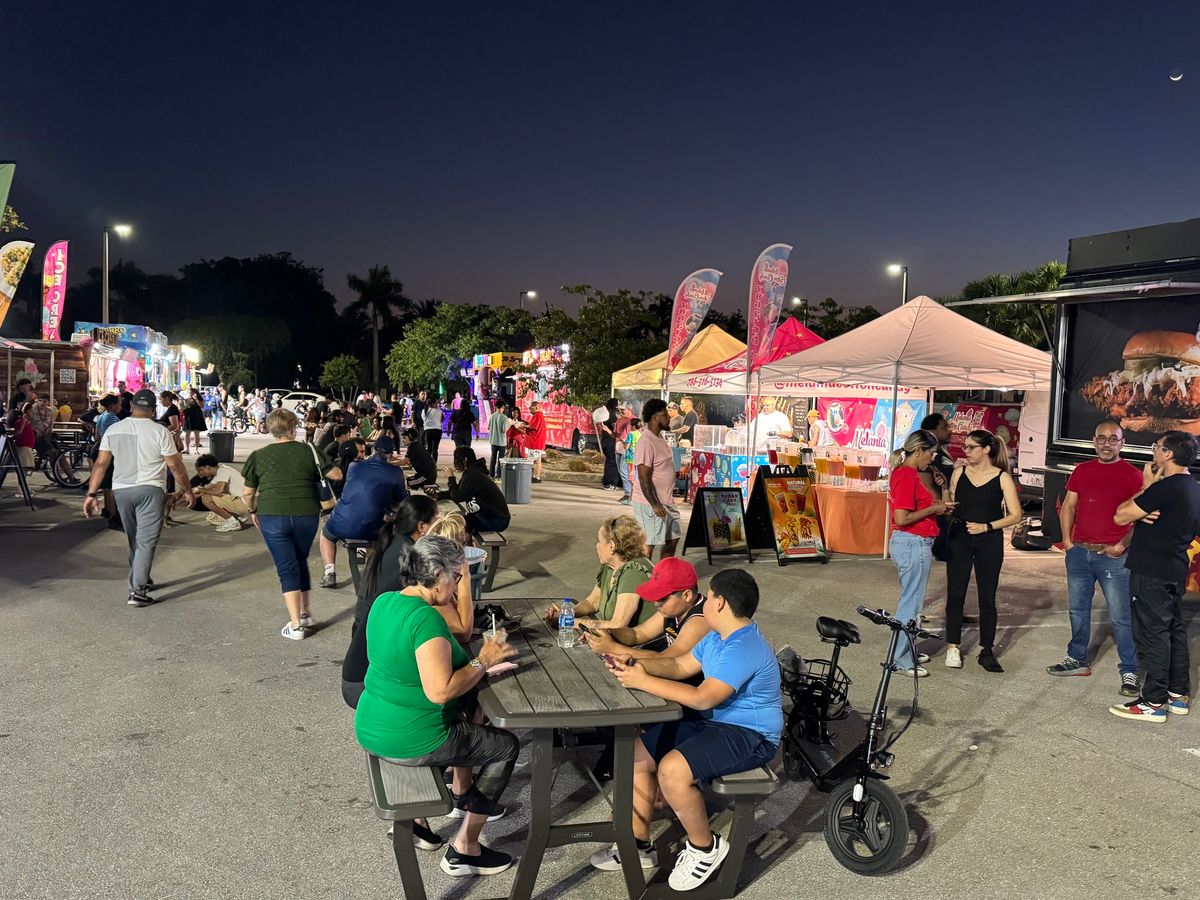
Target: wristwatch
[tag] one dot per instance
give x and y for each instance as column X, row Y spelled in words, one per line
column 476, row 664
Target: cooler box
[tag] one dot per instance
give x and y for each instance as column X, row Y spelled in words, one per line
column 220, row 445
column 516, row 479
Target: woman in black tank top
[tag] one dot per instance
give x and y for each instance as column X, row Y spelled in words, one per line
column 982, row 491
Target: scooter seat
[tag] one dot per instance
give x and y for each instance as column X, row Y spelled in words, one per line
column 836, row 630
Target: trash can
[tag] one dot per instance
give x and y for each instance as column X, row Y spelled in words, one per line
column 220, row 445
column 516, row 479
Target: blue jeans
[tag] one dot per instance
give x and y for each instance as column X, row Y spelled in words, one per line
column 1084, row 569
column 623, row 469
column 913, row 557
column 289, row 540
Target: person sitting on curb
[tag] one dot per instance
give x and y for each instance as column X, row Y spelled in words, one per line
column 372, row 491
column 221, row 494
column 738, row 728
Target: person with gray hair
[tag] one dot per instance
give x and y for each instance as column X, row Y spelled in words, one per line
column 281, row 495
column 415, row 710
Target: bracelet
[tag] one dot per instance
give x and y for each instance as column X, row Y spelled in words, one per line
column 476, row 664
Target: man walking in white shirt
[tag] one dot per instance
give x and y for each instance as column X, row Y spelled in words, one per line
column 139, row 449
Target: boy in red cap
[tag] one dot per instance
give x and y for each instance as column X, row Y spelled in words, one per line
column 673, row 589
column 738, row 728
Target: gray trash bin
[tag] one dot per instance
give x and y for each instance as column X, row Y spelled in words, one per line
column 220, row 445
column 516, row 479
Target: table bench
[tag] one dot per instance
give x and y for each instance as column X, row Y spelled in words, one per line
column 747, row 790
column 493, row 542
column 401, row 794
column 353, row 549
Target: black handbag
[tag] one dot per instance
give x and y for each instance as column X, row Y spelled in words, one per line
column 941, row 543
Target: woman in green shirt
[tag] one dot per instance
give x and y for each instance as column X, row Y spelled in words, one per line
column 613, row 602
column 411, row 712
column 281, row 494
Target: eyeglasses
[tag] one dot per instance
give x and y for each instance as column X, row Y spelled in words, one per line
column 457, row 577
column 1107, row 439
column 971, row 446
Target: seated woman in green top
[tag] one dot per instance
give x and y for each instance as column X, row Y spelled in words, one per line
column 613, row 602
column 411, row 710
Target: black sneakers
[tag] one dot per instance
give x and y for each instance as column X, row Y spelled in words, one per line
column 488, row 862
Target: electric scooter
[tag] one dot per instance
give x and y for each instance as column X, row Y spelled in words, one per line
column 866, row 826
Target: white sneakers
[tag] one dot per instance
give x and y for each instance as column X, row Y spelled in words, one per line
column 293, row 633
column 693, row 867
column 233, row 523
column 914, row 672
column 953, row 658
column 608, row 860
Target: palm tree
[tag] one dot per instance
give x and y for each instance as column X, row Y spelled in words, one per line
column 425, row 309
column 380, row 302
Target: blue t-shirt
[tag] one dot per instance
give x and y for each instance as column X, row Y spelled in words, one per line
column 103, row 421
column 373, row 486
column 744, row 661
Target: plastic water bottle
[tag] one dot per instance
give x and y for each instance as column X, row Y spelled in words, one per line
column 566, row 624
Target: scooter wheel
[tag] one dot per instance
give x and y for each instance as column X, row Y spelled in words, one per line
column 873, row 843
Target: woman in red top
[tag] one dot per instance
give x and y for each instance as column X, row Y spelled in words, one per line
column 517, row 434
column 23, row 436
column 914, row 528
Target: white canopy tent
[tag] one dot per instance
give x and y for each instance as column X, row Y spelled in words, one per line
column 919, row 345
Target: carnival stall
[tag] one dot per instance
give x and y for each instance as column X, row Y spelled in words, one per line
column 919, row 347
column 134, row 354
column 568, row 427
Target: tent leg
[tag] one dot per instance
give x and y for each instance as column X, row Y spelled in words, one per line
column 887, row 525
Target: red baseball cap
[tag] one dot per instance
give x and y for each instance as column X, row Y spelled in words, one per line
column 670, row 575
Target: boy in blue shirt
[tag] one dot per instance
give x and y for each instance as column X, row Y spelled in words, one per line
column 735, row 726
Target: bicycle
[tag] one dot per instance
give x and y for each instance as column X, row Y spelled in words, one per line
column 238, row 420
column 866, row 825
column 68, row 467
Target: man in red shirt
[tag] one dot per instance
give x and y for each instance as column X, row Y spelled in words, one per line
column 1096, row 548
column 535, row 439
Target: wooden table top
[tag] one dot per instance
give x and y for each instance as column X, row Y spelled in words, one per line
column 557, row 688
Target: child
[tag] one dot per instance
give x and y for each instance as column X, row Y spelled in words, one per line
column 737, row 727
column 635, row 432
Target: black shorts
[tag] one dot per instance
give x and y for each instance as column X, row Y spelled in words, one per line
column 712, row 749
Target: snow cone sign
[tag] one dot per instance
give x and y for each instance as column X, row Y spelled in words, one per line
column 692, row 300
column 768, row 283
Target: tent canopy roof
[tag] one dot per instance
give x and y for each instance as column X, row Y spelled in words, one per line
column 922, row 344
column 708, row 347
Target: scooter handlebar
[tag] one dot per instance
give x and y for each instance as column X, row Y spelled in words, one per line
column 883, row 617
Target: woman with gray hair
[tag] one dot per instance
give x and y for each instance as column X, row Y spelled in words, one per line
column 281, row 495
column 415, row 709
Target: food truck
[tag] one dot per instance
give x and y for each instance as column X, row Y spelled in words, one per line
column 1126, row 320
column 568, row 427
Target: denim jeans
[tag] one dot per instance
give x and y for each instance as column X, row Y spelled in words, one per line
column 289, row 540
column 1084, row 569
column 913, row 557
column 492, row 750
column 498, row 451
column 623, row 469
column 1162, row 640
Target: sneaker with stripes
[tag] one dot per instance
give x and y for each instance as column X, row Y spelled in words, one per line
column 694, row 867
column 1141, row 711
column 1179, row 704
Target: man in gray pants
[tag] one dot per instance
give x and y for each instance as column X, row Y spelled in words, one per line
column 139, row 449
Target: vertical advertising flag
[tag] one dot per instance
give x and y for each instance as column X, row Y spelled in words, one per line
column 54, row 289
column 14, row 256
column 692, row 300
column 768, row 283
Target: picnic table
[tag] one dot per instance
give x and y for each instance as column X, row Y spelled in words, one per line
column 557, row 689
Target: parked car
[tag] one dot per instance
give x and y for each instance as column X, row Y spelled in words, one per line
column 294, row 399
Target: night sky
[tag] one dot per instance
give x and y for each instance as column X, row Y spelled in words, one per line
column 485, row 149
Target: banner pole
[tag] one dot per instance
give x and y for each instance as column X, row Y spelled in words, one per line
column 887, row 525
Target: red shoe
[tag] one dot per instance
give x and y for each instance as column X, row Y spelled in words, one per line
column 1140, row 710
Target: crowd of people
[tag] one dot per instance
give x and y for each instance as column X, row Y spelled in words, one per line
column 1127, row 531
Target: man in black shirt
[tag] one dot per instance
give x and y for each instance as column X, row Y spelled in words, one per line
column 126, row 401
column 686, row 430
column 943, row 462
column 21, row 395
column 1167, row 513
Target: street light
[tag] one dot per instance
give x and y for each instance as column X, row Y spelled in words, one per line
column 803, row 304
column 521, row 297
column 122, row 231
column 897, row 269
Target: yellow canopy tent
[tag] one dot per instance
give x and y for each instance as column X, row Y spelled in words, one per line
column 708, row 347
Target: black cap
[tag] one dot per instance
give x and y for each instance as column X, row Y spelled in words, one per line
column 145, row 399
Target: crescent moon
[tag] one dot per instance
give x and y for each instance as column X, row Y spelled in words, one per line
column 1178, row 77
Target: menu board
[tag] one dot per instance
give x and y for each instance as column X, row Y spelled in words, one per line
column 785, row 499
column 720, row 512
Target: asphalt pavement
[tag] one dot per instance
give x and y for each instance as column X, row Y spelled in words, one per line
column 187, row 750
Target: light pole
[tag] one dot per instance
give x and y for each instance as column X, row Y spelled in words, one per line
column 122, row 231
column 803, row 304
column 521, row 297
column 897, row 269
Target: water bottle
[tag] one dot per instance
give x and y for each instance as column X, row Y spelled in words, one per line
column 566, row 624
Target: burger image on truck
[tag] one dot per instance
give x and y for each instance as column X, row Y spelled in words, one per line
column 1159, row 387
